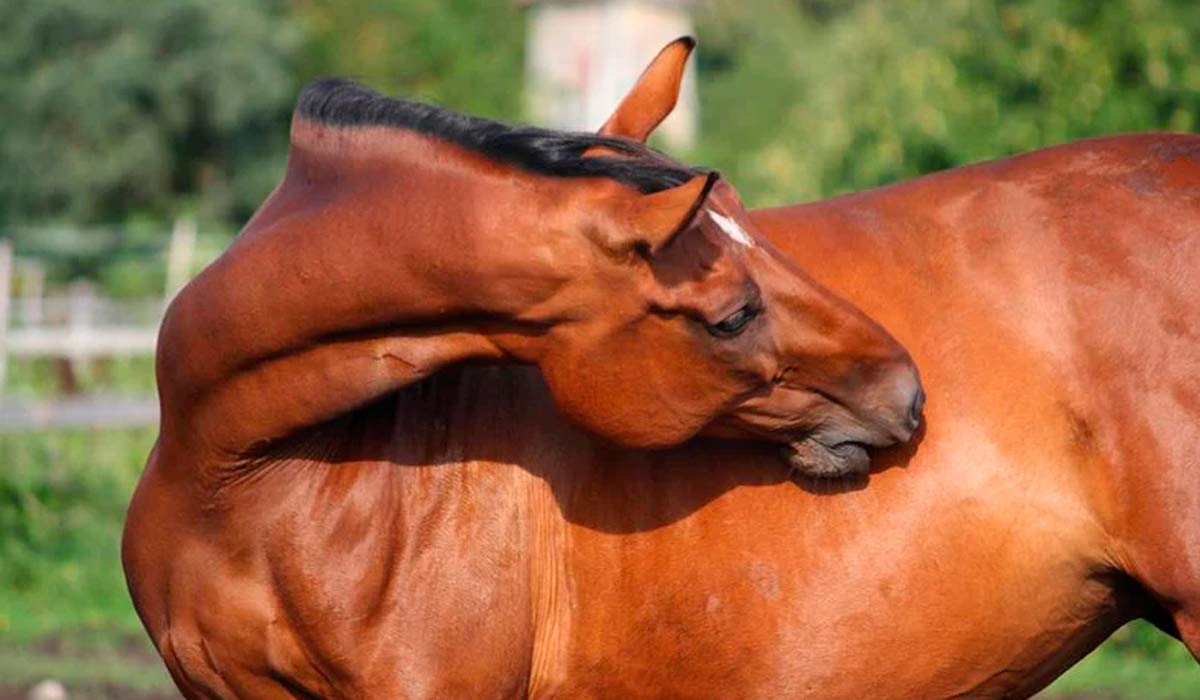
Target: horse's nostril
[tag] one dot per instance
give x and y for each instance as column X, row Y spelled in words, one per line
column 914, row 411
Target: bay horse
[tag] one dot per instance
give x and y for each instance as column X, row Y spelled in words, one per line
column 405, row 238
column 466, row 537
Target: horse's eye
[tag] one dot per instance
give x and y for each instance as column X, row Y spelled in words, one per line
column 736, row 322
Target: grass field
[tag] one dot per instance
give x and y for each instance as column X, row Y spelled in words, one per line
column 64, row 610
column 65, row 613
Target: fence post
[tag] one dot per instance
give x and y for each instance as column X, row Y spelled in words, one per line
column 82, row 307
column 31, row 309
column 6, row 267
column 179, row 256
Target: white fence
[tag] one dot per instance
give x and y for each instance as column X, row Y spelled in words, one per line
column 78, row 327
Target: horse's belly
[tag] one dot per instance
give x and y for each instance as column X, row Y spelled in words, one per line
column 982, row 637
column 912, row 587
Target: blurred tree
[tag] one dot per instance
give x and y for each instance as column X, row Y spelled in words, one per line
column 129, row 107
column 126, row 106
column 462, row 54
column 807, row 98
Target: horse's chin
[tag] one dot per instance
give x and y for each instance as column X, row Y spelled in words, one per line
column 812, row 458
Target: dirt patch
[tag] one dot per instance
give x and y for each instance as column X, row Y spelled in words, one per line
column 102, row 692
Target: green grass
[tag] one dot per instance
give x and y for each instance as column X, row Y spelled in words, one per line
column 62, row 504
column 64, row 609
column 1138, row 662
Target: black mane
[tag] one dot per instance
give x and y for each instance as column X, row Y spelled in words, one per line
column 341, row 102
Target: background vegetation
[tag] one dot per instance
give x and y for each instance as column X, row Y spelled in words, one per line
column 120, row 115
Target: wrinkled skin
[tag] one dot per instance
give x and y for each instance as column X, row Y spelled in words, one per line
column 460, row 539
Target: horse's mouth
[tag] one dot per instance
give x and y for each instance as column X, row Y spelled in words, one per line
column 810, row 457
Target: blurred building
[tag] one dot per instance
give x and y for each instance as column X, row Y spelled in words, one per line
column 583, row 55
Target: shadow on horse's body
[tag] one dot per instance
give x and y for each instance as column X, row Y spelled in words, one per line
column 459, row 539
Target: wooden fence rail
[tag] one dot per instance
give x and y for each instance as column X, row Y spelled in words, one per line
column 76, row 328
column 84, row 412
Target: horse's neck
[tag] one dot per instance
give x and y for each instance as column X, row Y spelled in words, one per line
column 366, row 270
column 364, row 238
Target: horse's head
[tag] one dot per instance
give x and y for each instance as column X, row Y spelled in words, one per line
column 685, row 320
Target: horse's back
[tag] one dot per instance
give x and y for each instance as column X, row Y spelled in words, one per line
column 1084, row 255
column 1050, row 300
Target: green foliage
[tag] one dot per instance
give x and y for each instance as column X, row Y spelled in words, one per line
column 126, row 106
column 132, row 108
column 188, row 105
column 827, row 97
column 464, row 54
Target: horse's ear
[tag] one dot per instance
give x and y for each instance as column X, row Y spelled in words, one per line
column 653, row 96
column 653, row 220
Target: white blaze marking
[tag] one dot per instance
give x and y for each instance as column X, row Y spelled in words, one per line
column 732, row 229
